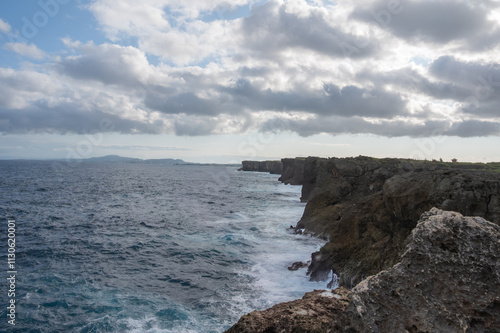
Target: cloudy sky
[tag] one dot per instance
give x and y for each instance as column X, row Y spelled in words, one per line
column 224, row 80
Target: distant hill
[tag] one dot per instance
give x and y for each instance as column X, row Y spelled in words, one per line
column 112, row 158
column 121, row 159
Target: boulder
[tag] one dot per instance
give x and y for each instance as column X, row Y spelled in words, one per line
column 448, row 280
column 297, row 265
column 320, row 311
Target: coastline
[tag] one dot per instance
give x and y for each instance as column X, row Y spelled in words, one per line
column 369, row 208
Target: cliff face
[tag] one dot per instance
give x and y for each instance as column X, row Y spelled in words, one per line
column 367, row 207
column 293, row 171
column 273, row 167
column 446, row 280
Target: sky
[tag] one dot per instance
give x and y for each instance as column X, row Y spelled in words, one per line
column 227, row 80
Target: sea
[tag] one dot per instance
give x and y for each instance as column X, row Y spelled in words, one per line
column 136, row 247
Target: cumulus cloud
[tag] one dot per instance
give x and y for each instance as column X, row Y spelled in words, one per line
column 171, row 29
column 107, row 63
column 27, row 50
column 348, row 100
column 275, row 27
column 125, row 17
column 300, row 66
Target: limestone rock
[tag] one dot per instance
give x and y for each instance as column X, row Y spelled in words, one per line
column 320, row 311
column 448, row 280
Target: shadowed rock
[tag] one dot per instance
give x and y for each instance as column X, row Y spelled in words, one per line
column 297, row 265
column 367, row 207
column 273, row 167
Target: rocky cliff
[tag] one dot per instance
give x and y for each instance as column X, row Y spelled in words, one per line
column 367, row 207
column 446, row 280
column 273, row 167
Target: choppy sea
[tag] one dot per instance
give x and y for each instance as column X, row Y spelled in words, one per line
column 110, row 247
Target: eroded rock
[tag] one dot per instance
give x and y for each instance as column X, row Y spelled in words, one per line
column 448, row 280
column 320, row 311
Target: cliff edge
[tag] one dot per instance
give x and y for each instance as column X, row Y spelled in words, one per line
column 367, row 207
column 273, row 167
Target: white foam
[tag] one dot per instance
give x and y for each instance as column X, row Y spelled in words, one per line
column 150, row 324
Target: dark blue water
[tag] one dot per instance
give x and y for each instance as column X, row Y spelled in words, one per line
column 147, row 248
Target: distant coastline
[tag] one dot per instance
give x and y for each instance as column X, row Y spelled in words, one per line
column 121, row 159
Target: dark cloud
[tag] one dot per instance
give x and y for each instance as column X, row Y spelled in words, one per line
column 465, row 73
column 438, row 21
column 244, row 96
column 474, row 85
column 473, row 128
column 480, row 81
column 187, row 103
column 68, row 119
column 271, row 29
column 408, row 80
column 332, row 100
column 400, row 128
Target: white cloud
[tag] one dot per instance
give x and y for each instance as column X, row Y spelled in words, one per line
column 107, row 63
column 128, row 18
column 27, row 50
column 171, row 29
column 282, row 67
column 4, row 26
column 125, row 16
column 199, row 41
